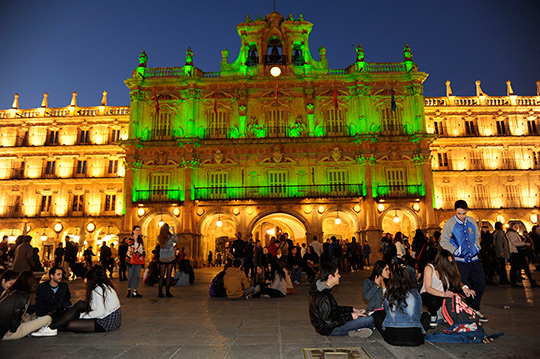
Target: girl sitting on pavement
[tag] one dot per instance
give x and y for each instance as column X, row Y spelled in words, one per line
column 375, row 285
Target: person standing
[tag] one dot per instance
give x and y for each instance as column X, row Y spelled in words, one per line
column 166, row 258
column 461, row 237
column 135, row 257
column 518, row 261
column 58, row 254
column 122, row 253
column 105, row 258
column 24, row 256
column 502, row 252
column 88, row 254
column 210, row 259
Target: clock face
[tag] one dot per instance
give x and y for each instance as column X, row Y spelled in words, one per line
column 275, row 71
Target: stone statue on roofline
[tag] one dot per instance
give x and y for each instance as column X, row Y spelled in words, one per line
column 407, row 54
column 359, row 53
column 142, row 59
column 189, row 57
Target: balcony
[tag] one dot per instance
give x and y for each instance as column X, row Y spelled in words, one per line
column 157, row 196
column 279, row 192
column 400, row 191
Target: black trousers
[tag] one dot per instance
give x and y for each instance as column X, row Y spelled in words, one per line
column 409, row 337
column 432, row 302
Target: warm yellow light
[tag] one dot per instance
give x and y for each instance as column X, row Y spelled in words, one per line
column 161, row 222
column 200, row 211
column 380, row 207
column 140, row 212
column 416, row 207
column 271, row 231
column 275, row 71
column 176, row 211
column 357, row 208
column 534, row 218
column 396, row 218
column 90, row 227
column 236, row 211
column 338, row 220
column 219, row 223
column 11, row 238
column 321, row 209
column 43, row 237
column 500, row 218
column 58, row 227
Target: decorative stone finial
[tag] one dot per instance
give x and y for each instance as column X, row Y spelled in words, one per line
column 45, row 102
column 15, row 101
column 301, row 18
column 509, row 90
column 479, row 91
column 359, row 53
column 259, row 18
column 322, row 52
column 537, row 88
column 74, row 99
column 407, row 53
column 189, row 57
column 104, row 99
column 225, row 54
column 248, row 19
column 142, row 59
column 448, row 89
column 290, row 17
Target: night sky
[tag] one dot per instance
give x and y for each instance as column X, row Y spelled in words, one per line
column 61, row 46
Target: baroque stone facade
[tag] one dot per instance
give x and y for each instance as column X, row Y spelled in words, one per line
column 274, row 142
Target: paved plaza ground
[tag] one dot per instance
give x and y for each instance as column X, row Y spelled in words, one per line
column 193, row 325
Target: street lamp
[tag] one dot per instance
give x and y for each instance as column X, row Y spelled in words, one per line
column 219, row 223
column 44, row 235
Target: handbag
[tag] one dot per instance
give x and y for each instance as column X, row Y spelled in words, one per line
column 133, row 256
column 455, row 310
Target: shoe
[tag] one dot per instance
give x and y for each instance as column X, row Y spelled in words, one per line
column 249, row 297
column 169, row 295
column 128, row 294
column 433, row 321
column 45, row 332
column 361, row 333
column 481, row 317
column 160, row 295
column 136, row 294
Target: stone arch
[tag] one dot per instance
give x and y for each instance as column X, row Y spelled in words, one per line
column 404, row 211
column 214, row 238
column 285, row 218
column 348, row 228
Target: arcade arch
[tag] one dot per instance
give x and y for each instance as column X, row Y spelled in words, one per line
column 399, row 219
column 271, row 225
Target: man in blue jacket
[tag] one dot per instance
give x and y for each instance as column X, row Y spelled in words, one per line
column 461, row 237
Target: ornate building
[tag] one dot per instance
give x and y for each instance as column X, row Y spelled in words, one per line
column 274, row 142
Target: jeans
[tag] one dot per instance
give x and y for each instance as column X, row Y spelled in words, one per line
column 134, row 275
column 472, row 274
column 360, row 322
column 296, row 274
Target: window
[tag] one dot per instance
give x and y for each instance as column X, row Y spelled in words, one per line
column 50, row 168
column 513, row 199
column 508, row 160
column 536, row 158
column 392, row 120
column 218, row 183
column 276, row 123
column 46, row 201
column 160, row 182
column 476, row 160
column 531, row 125
column 337, row 179
column 110, row 202
column 162, row 126
column 277, row 181
column 52, row 137
column 334, row 122
column 448, row 194
column 115, row 136
column 470, row 128
column 443, row 160
column 81, row 167
column 84, row 137
column 78, row 203
column 395, row 178
column 480, row 196
column 113, row 167
column 218, row 122
column 501, row 128
column 438, row 128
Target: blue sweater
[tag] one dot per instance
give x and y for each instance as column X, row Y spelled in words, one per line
column 462, row 238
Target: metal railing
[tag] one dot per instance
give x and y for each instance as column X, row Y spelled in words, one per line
column 400, row 191
column 157, row 196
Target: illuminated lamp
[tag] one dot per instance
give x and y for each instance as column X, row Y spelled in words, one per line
column 357, row 208
column 416, row 207
column 500, row 218
column 90, row 227
column 337, row 220
column 176, row 211
column 58, row 227
column 161, row 221
column 249, row 211
column 534, row 218
column 396, row 218
column 140, row 212
column 307, row 209
column 11, row 237
column 236, row 211
column 200, row 211
column 380, row 207
column 44, row 235
column 219, row 223
column 321, row 209
column 275, row 71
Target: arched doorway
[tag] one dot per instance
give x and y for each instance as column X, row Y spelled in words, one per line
column 399, row 219
column 150, row 226
column 218, row 229
column 275, row 224
column 340, row 224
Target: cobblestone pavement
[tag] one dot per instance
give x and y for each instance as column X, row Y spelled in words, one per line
column 193, row 325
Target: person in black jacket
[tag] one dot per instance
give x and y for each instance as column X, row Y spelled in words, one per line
column 327, row 317
column 53, row 297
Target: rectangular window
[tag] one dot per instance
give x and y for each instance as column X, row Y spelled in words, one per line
column 52, row 137
column 160, row 182
column 218, row 183
column 46, row 201
column 501, row 128
column 448, row 194
column 81, row 167
column 113, row 167
column 337, row 179
column 84, row 137
column 536, row 159
column 276, row 123
column 278, row 180
column 443, row 160
column 334, row 122
column 392, row 120
column 476, row 160
column 470, row 128
column 218, row 123
column 78, row 203
column 508, row 160
column 115, row 136
column 395, row 178
column 438, row 128
column 162, row 126
column 531, row 125
column 110, row 202
column 480, row 196
column 513, row 199
column 50, row 168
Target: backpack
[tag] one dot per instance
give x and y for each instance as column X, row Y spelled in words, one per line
column 455, row 310
column 217, row 286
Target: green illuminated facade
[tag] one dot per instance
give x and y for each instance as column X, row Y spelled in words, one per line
column 255, row 150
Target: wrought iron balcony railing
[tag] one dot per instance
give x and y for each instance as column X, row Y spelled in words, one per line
column 400, row 191
column 157, row 196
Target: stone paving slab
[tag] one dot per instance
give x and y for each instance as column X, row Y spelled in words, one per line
column 193, row 325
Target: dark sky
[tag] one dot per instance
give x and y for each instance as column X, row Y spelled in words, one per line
column 61, row 46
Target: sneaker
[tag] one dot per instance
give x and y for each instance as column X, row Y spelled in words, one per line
column 249, row 297
column 128, row 294
column 136, row 294
column 433, row 321
column 481, row 317
column 361, row 333
column 45, row 332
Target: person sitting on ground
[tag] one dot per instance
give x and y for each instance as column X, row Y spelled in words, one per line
column 375, row 285
column 14, row 323
column 276, row 285
column 6, row 280
column 327, row 317
column 236, row 282
column 311, row 263
column 441, row 280
column 402, row 321
column 184, row 276
column 99, row 312
column 53, row 297
column 295, row 265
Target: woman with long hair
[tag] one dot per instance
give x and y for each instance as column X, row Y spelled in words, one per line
column 518, row 259
column 276, row 285
column 167, row 257
column 402, row 321
column 99, row 312
column 441, row 280
column 375, row 285
column 13, row 305
column 134, row 261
